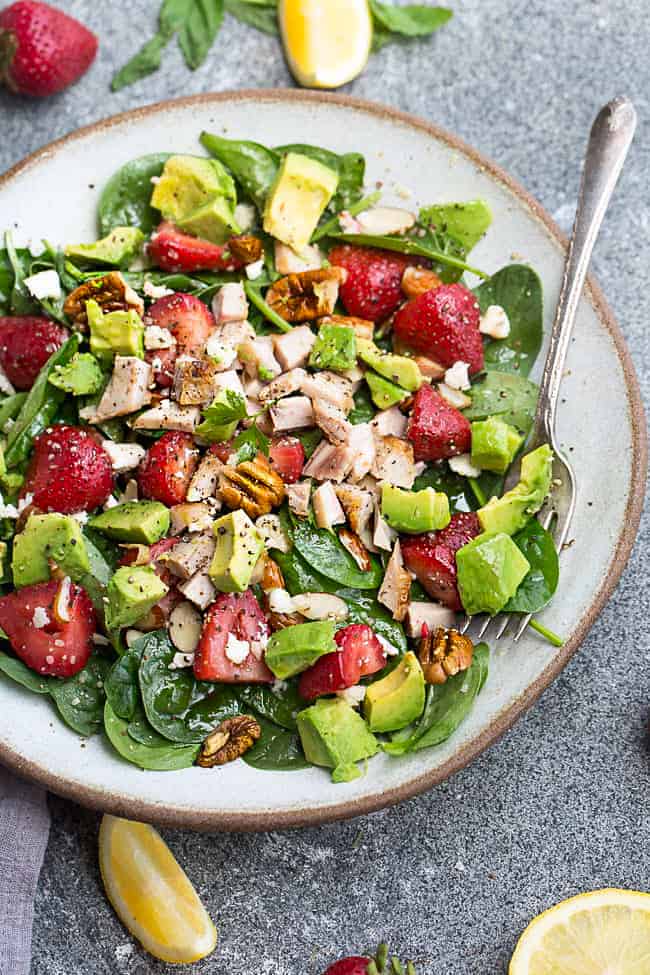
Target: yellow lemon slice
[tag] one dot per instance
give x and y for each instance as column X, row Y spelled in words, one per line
column 606, row 932
column 327, row 42
column 151, row 894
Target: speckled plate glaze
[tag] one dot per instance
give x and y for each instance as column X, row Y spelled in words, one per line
column 53, row 194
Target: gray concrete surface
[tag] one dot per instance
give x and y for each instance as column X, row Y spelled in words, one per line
column 561, row 803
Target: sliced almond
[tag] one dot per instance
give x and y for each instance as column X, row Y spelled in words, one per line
column 62, row 601
column 320, row 606
column 454, row 397
column 386, row 220
column 185, row 624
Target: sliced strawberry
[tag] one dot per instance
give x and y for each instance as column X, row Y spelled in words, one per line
column 190, row 322
column 171, row 250
column 166, row 469
column 432, row 557
column 56, row 649
column 238, row 615
column 354, row 965
column 69, row 471
column 360, row 654
column 26, row 343
column 436, row 428
column 373, row 288
column 287, row 456
column 444, row 325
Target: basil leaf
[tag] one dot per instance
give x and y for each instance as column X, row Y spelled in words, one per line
column 125, row 198
column 161, row 758
column 465, row 222
column 538, row 587
column 253, row 166
column 415, row 20
column 80, row 699
column 518, row 289
column 145, row 62
column 17, row 671
column 278, row 750
column 201, row 26
column 323, row 551
column 507, row 395
column 260, row 16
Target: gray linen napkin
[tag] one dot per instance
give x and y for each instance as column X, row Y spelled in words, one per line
column 24, row 828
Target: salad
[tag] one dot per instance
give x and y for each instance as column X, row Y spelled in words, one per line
column 254, row 445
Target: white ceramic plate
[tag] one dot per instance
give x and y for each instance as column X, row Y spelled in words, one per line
column 53, row 194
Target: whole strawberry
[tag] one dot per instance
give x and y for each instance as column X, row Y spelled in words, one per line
column 69, row 471
column 42, row 50
column 380, row 964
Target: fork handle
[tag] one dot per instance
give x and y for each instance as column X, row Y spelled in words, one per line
column 609, row 141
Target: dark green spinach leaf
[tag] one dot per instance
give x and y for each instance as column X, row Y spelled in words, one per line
column 518, row 289
column 20, row 300
column 278, row 750
column 253, row 166
column 280, row 707
column 364, row 409
column 446, row 254
column 539, row 586
column 465, row 222
column 16, row 670
column 161, row 758
column 122, row 687
column 80, row 699
column 125, row 198
column 507, row 395
column 323, row 551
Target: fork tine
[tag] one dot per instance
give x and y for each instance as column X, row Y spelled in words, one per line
column 483, row 627
column 465, row 624
column 504, row 623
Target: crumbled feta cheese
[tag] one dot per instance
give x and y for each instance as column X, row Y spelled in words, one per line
column 25, row 502
column 280, row 601
column 181, row 660
column 254, row 270
column 278, row 687
column 81, row 517
column 45, row 284
column 230, row 303
column 245, row 214
column 270, row 528
column 223, row 355
column 156, row 337
column 124, row 456
column 458, row 376
column 463, row 465
column 348, row 223
column 6, row 385
column 155, row 291
column 495, row 322
column 388, row 647
column 353, row 695
column 8, row 510
column 40, row 618
column 237, row 650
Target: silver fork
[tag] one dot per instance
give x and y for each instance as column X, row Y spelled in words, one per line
column 609, row 141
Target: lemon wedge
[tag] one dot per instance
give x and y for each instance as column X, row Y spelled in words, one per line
column 326, row 42
column 151, row 894
column 606, row 932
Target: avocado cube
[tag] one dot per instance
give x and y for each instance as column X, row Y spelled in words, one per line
column 397, row 699
column 335, row 348
column 81, row 376
column 513, row 511
column 295, row 648
column 399, row 369
column 190, row 182
column 132, row 591
column 117, row 333
column 214, row 221
column 48, row 537
column 335, row 736
column 494, row 444
column 414, row 512
column 142, row 522
column 384, row 393
column 117, row 249
column 239, row 546
column 297, row 199
column 490, row 570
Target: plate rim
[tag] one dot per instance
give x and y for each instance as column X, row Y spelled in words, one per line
column 148, row 811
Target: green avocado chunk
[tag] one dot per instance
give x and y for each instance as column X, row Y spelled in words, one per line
column 334, row 735
column 399, row 369
column 117, row 249
column 188, row 183
column 383, row 392
column 414, row 511
column 117, row 333
column 514, row 510
column 494, row 444
column 397, row 699
column 81, row 376
column 132, row 591
column 44, row 537
column 300, row 193
column 335, row 348
column 214, row 221
column 490, row 570
column 239, row 546
column 294, row 649
column 142, row 522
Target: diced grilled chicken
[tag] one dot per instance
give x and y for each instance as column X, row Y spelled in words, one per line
column 292, row 348
column 383, row 535
column 391, row 422
column 362, row 444
column 252, row 387
column 194, row 381
column 190, row 556
column 329, row 463
column 199, row 590
column 127, row 390
column 298, row 496
column 258, row 355
column 394, row 461
column 429, row 368
column 327, row 386
column 205, row 479
column 429, row 615
column 395, row 589
column 168, row 415
column 191, row 516
column 359, row 506
column 229, row 380
column 353, row 544
column 230, row 303
column 288, row 262
column 124, row 456
column 284, row 385
column 327, row 509
column 270, row 528
column 292, row 413
column 233, row 333
column 332, row 421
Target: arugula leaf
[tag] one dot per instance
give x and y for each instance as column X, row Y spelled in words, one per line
column 518, row 289
column 199, row 30
column 262, row 16
column 415, row 20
